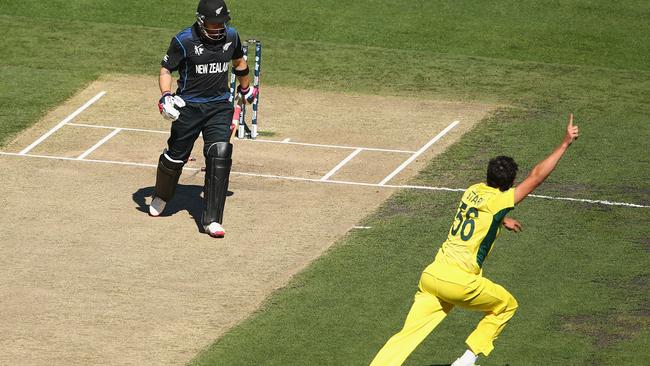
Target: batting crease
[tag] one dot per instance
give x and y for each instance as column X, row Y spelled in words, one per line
column 99, row 143
column 283, row 142
column 62, row 123
column 313, row 180
column 418, row 153
column 341, row 164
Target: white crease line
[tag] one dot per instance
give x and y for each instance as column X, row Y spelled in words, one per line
column 85, row 160
column 99, row 143
column 62, row 123
column 362, row 227
column 122, row 128
column 299, row 179
column 332, row 146
column 433, row 188
column 603, row 202
column 341, row 164
column 583, row 200
column 418, row 153
column 285, row 141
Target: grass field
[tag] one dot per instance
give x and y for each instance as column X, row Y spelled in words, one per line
column 579, row 271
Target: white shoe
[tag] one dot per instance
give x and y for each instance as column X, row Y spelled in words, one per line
column 215, row 230
column 458, row 363
column 156, row 207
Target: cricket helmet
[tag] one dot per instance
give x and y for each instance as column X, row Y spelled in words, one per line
column 211, row 17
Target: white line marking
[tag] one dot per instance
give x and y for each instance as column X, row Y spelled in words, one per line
column 333, row 146
column 99, row 143
column 418, row 153
column 122, row 128
column 583, row 200
column 85, row 160
column 341, row 164
column 602, row 202
column 285, row 141
column 433, row 188
column 362, row 227
column 62, row 123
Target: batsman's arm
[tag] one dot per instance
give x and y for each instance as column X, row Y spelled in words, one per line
column 165, row 80
column 240, row 64
column 544, row 168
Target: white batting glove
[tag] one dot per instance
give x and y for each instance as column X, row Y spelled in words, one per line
column 247, row 95
column 167, row 106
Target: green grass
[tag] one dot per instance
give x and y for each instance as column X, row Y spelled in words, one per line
column 579, row 271
column 342, row 309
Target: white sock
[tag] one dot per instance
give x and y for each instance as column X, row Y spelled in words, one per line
column 468, row 358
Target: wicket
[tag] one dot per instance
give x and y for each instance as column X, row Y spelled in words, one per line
column 243, row 130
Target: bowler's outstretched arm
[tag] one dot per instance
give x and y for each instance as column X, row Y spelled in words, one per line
column 544, row 168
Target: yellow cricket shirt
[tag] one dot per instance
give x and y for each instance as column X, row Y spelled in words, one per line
column 476, row 225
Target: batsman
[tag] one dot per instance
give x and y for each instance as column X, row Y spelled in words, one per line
column 202, row 54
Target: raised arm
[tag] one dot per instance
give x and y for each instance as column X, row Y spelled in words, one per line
column 544, row 168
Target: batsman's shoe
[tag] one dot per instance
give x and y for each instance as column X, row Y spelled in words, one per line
column 156, row 207
column 215, row 230
column 458, row 362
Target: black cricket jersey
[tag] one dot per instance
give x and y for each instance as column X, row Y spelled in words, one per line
column 202, row 67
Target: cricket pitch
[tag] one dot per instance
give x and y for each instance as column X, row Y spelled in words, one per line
column 90, row 278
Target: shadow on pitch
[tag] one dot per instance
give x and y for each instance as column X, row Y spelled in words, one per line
column 187, row 198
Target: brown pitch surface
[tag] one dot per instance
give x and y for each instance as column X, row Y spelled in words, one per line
column 89, row 278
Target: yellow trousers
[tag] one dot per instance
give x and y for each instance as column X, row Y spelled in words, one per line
column 441, row 288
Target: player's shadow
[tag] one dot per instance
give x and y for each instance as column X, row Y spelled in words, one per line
column 186, row 198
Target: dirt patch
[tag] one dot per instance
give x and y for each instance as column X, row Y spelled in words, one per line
column 89, row 278
column 607, row 329
column 645, row 244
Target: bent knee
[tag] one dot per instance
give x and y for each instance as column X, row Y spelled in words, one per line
column 507, row 306
column 217, row 150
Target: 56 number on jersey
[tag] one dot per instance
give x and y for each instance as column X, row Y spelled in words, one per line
column 465, row 224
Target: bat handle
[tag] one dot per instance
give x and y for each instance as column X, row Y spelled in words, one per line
column 234, row 124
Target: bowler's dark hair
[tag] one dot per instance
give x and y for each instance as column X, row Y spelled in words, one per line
column 501, row 172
